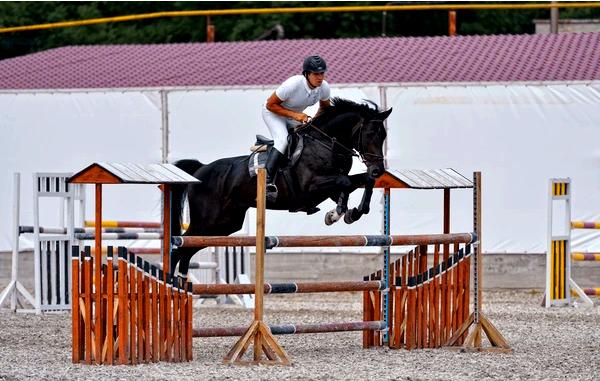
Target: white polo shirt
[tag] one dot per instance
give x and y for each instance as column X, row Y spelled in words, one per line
column 297, row 95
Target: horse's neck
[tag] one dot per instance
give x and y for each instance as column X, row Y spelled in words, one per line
column 338, row 127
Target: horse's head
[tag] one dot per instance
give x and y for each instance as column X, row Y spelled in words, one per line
column 366, row 135
column 369, row 139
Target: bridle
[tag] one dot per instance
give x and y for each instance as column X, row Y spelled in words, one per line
column 365, row 154
column 333, row 142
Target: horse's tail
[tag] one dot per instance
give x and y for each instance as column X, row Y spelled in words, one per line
column 178, row 193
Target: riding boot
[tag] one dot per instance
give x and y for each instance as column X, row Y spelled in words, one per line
column 272, row 165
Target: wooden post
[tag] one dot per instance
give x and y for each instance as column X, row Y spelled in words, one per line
column 162, row 311
column 147, row 314
column 155, row 347
column 258, row 332
column 411, row 300
column 190, row 355
column 123, row 306
column 176, row 321
column 451, row 23
column 132, row 310
column 98, row 278
column 477, row 318
column 75, row 313
column 436, row 298
column 166, row 243
column 168, row 317
column 140, row 309
column 87, row 275
column 367, row 316
column 110, row 303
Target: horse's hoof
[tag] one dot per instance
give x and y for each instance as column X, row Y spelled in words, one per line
column 312, row 210
column 331, row 217
column 180, row 280
column 349, row 218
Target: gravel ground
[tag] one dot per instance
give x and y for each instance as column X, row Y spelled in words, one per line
column 557, row 343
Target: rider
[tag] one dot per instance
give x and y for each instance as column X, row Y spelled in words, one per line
column 285, row 107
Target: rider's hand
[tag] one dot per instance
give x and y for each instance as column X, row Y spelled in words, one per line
column 302, row 117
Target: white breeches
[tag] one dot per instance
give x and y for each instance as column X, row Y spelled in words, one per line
column 278, row 127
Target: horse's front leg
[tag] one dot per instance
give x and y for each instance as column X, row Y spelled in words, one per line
column 365, row 204
column 334, row 215
column 334, row 184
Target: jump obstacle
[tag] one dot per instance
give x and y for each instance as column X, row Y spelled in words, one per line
column 52, row 270
column 429, row 307
column 151, row 315
column 560, row 286
column 133, row 313
column 419, row 328
column 52, row 277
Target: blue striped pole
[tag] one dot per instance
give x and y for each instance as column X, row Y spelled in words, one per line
column 386, row 263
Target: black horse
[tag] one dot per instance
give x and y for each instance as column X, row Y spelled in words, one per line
column 219, row 203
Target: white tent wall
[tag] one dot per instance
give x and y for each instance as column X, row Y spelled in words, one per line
column 66, row 131
column 518, row 135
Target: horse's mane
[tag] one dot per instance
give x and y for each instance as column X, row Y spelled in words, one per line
column 341, row 106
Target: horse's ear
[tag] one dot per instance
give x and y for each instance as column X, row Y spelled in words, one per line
column 383, row 115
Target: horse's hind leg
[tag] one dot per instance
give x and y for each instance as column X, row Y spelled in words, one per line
column 182, row 256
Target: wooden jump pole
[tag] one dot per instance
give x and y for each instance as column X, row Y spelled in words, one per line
column 166, row 221
column 98, row 277
column 294, row 329
column 264, row 343
column 287, row 288
column 325, row 241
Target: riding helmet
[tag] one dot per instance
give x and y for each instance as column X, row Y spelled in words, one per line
column 314, row 64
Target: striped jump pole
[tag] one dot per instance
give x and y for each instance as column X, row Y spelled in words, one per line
column 325, row 241
column 585, row 225
column 287, row 288
column 294, row 329
column 128, row 224
column 134, row 250
column 62, row 230
column 118, row 236
column 592, row 291
column 588, row 257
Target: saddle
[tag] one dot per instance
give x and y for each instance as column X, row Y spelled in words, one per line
column 295, row 146
column 263, row 144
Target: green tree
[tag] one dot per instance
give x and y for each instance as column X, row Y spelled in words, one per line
column 246, row 27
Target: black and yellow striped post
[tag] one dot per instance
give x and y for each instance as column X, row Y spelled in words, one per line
column 558, row 265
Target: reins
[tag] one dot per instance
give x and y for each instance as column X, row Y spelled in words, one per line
column 333, row 141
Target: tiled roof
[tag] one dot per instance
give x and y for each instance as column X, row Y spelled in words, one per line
column 542, row 57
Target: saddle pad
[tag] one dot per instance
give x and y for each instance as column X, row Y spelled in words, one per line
column 257, row 160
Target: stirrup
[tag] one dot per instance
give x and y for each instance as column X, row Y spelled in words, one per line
column 272, row 188
column 271, row 192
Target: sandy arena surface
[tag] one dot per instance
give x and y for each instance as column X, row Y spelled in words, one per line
column 549, row 344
